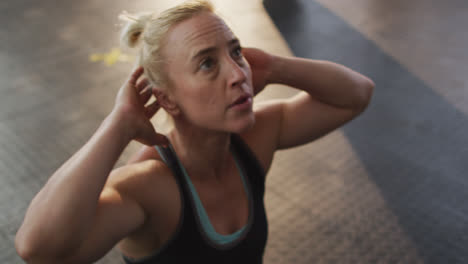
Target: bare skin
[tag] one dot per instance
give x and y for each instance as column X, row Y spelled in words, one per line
column 138, row 205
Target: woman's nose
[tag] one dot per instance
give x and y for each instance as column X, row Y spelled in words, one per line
column 236, row 73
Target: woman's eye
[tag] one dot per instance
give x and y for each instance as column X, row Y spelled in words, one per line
column 237, row 52
column 207, row 64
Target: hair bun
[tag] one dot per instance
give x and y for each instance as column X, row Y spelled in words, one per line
column 133, row 29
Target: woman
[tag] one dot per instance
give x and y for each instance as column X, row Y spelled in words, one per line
column 197, row 194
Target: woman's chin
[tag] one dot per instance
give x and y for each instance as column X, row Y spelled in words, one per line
column 243, row 125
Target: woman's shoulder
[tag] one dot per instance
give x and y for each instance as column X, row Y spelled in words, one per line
column 145, row 177
column 144, row 167
column 144, row 163
column 140, row 178
column 143, row 154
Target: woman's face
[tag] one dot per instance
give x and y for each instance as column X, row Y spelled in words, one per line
column 210, row 81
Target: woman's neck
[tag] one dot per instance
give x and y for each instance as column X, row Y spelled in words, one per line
column 204, row 153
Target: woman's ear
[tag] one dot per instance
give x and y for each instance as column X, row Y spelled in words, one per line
column 166, row 101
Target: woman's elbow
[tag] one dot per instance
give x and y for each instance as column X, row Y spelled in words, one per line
column 30, row 249
column 24, row 248
column 32, row 256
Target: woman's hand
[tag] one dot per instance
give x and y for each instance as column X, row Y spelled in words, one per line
column 130, row 108
column 260, row 64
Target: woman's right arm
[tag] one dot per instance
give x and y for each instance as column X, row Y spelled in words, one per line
column 74, row 212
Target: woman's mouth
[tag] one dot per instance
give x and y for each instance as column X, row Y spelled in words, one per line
column 241, row 103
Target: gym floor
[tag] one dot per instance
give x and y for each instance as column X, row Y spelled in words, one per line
column 391, row 186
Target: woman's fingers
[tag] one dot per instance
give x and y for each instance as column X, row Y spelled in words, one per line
column 141, row 85
column 132, row 98
column 135, row 75
column 152, row 108
column 145, row 95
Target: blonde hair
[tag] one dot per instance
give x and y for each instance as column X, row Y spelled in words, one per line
column 148, row 30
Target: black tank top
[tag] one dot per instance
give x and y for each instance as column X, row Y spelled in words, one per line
column 191, row 244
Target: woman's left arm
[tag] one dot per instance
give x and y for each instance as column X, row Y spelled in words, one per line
column 332, row 95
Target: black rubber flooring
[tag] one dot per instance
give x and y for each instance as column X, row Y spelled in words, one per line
column 412, row 143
